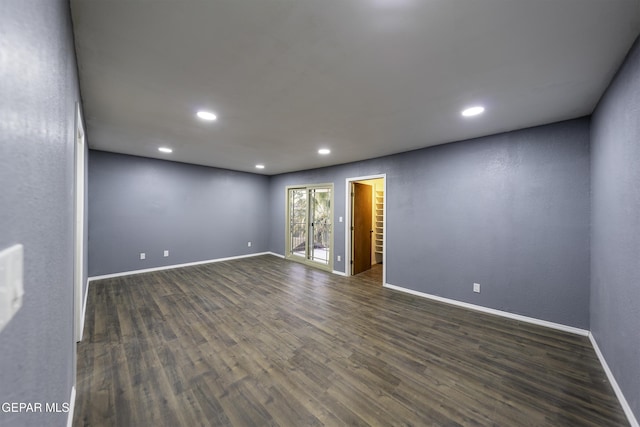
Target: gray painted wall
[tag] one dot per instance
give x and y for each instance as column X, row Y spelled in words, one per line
column 615, row 237
column 508, row 211
column 39, row 89
column 146, row 205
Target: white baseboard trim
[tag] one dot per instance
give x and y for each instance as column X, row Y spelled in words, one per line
column 275, row 254
column 533, row 320
column 169, row 267
column 72, row 406
column 616, row 388
column 339, row 273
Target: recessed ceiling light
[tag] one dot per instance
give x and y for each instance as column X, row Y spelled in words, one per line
column 207, row 115
column 165, row 150
column 259, row 166
column 324, row 151
column 473, row 111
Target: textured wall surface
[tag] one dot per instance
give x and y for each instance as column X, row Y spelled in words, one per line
column 197, row 213
column 39, row 90
column 508, row 211
column 615, row 252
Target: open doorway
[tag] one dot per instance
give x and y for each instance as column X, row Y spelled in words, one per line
column 365, row 231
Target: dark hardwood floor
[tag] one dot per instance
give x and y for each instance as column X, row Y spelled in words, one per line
column 264, row 341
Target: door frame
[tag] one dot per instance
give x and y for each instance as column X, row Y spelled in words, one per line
column 78, row 223
column 306, row 261
column 347, row 222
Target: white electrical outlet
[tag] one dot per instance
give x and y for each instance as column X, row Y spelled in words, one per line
column 143, row 255
column 339, row 258
column 476, row 287
column 166, row 253
column 339, row 219
column 11, row 287
column 249, row 244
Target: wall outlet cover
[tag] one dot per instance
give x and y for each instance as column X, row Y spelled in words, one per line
column 166, row 253
column 476, row 287
column 143, row 255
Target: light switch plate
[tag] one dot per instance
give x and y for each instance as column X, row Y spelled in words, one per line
column 11, row 283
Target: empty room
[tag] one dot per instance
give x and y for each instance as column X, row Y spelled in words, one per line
column 292, row 213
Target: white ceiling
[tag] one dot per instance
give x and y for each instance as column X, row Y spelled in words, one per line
column 364, row 78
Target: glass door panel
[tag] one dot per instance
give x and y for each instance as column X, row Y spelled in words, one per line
column 320, row 220
column 298, row 222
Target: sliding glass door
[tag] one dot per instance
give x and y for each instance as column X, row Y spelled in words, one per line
column 309, row 225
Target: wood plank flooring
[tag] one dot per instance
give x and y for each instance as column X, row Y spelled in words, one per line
column 264, row 342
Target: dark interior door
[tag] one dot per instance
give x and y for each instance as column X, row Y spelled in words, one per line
column 361, row 239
